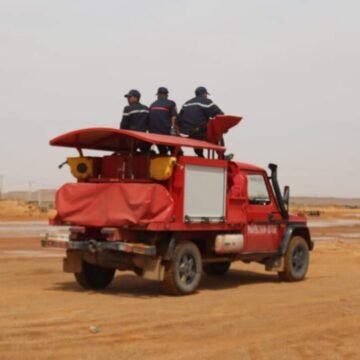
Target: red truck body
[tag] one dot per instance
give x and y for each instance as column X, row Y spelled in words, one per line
column 209, row 210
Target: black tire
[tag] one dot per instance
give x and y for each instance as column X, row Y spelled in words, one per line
column 94, row 277
column 138, row 271
column 296, row 260
column 183, row 272
column 217, row 269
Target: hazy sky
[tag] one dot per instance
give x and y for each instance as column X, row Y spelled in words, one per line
column 291, row 68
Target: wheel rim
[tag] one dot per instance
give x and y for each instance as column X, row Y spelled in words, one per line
column 299, row 258
column 187, row 268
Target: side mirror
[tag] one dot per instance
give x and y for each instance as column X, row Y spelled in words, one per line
column 286, row 196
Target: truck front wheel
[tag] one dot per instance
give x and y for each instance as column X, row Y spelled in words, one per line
column 94, row 277
column 296, row 260
column 183, row 272
column 217, row 269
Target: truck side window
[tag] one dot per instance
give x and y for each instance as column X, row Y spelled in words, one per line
column 257, row 190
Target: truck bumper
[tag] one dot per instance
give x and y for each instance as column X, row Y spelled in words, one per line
column 62, row 241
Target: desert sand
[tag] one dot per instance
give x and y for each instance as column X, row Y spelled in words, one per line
column 247, row 314
column 20, row 210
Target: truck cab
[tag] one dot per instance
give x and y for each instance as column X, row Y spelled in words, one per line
column 170, row 218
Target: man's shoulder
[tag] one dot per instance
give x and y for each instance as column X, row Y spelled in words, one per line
column 199, row 101
column 155, row 103
column 140, row 106
column 168, row 103
column 130, row 109
column 204, row 100
column 192, row 100
column 163, row 103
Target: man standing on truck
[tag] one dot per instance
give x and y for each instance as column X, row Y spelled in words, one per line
column 195, row 114
column 162, row 117
column 135, row 115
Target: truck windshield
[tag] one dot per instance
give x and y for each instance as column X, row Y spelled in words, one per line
column 257, row 190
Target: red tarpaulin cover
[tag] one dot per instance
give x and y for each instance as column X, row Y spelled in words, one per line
column 104, row 205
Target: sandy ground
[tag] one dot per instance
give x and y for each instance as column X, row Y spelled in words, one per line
column 247, row 314
column 327, row 212
column 19, row 210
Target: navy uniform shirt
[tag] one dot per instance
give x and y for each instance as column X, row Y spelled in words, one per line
column 161, row 112
column 135, row 117
column 196, row 113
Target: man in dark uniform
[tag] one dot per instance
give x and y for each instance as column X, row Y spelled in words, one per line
column 135, row 115
column 162, row 117
column 195, row 114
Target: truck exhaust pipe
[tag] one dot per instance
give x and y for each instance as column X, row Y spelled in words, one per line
column 276, row 187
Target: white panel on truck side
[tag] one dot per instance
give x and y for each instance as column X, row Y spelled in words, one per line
column 205, row 191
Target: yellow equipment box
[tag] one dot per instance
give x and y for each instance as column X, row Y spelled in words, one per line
column 161, row 168
column 81, row 167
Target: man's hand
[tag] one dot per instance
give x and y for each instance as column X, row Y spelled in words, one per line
column 173, row 131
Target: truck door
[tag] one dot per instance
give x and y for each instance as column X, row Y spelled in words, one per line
column 263, row 229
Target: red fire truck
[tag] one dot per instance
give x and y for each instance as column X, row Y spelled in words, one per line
column 171, row 218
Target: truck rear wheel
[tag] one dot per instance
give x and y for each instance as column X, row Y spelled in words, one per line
column 217, row 269
column 296, row 260
column 94, row 276
column 183, row 272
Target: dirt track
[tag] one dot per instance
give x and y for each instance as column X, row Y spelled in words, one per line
column 248, row 314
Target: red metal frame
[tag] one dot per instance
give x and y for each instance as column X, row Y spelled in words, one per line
column 120, row 140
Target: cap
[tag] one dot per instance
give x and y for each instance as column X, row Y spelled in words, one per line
column 201, row 90
column 162, row 90
column 133, row 92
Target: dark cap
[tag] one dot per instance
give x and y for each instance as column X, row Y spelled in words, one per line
column 201, row 90
column 133, row 92
column 162, row 90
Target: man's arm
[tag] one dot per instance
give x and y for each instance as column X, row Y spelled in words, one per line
column 124, row 124
column 213, row 110
column 173, row 114
column 147, row 123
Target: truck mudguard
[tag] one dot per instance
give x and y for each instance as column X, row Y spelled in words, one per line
column 298, row 229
